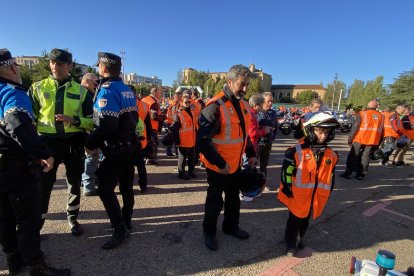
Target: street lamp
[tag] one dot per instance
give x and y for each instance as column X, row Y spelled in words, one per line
column 122, row 52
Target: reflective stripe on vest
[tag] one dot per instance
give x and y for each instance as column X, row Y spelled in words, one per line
column 187, row 129
column 230, row 141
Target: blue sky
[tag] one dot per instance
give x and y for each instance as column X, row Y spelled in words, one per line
column 296, row 41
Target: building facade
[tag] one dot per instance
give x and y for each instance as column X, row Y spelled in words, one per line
column 291, row 91
column 133, row 78
column 265, row 79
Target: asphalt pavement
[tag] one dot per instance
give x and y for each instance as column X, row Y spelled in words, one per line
column 360, row 218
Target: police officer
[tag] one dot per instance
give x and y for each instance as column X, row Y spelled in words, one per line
column 21, row 154
column 223, row 140
column 115, row 118
column 63, row 109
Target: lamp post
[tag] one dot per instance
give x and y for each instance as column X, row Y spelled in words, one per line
column 122, row 52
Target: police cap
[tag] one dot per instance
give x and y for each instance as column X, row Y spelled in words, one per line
column 60, row 55
column 108, row 58
column 5, row 58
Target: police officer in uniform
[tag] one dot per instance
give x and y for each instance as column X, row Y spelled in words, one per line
column 21, row 155
column 63, row 109
column 115, row 119
column 223, row 140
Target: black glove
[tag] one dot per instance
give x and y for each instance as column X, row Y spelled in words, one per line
column 287, row 190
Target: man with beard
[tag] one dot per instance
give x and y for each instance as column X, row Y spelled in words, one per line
column 223, row 140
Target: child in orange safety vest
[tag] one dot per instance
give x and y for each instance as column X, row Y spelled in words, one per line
column 307, row 178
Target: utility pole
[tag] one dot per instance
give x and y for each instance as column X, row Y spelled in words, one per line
column 339, row 101
column 333, row 96
column 122, row 52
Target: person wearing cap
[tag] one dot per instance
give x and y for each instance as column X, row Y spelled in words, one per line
column 365, row 136
column 153, row 101
column 115, row 118
column 308, row 178
column 63, row 110
column 22, row 154
column 90, row 82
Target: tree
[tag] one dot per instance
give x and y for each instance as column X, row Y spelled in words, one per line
column 197, row 78
column 402, row 90
column 305, row 97
column 356, row 90
column 332, row 92
column 360, row 92
column 254, row 88
column 209, row 87
column 219, row 86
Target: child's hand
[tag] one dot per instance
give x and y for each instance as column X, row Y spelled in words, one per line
column 287, row 190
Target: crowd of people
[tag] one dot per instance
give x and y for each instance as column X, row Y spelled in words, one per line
column 58, row 120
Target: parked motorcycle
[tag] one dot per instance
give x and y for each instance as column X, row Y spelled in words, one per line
column 286, row 125
column 345, row 123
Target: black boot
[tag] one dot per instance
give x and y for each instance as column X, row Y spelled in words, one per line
column 43, row 269
column 127, row 221
column 15, row 262
column 120, row 234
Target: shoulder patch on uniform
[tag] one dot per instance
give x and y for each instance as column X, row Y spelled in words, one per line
column 106, row 84
column 102, row 102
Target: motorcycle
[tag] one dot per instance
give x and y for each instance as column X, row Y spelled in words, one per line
column 345, row 123
column 286, row 125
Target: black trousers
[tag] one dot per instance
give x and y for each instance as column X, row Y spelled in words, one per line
column 217, row 184
column 113, row 169
column 142, row 170
column 186, row 156
column 263, row 154
column 358, row 159
column 295, row 226
column 71, row 152
column 20, row 213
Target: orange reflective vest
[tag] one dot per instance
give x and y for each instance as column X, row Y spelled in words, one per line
column 370, row 129
column 187, row 129
column 196, row 108
column 231, row 141
column 409, row 132
column 311, row 186
column 150, row 100
column 172, row 109
column 388, row 129
column 143, row 111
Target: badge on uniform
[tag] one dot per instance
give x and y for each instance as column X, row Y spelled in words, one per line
column 46, row 95
column 102, row 102
column 231, row 110
column 307, row 156
column 328, row 161
column 375, row 117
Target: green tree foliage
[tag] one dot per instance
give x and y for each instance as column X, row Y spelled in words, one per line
column 333, row 90
column 360, row 92
column 219, row 86
column 197, row 78
column 305, row 97
column 254, row 88
column 209, row 87
column 402, row 90
column 356, row 91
